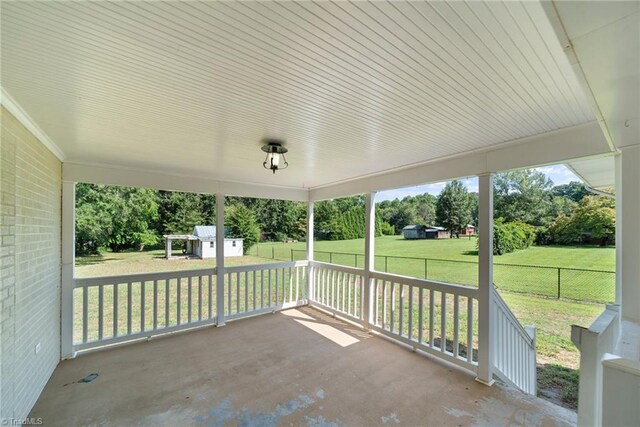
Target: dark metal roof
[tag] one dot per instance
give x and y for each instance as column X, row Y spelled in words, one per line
column 414, row 227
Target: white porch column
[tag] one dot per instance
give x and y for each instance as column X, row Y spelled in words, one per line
column 618, row 193
column 167, row 248
column 369, row 258
column 485, row 280
column 628, row 232
column 310, row 290
column 68, row 251
column 220, row 259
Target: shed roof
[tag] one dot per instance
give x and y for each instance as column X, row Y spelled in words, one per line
column 204, row 231
column 414, row 227
column 180, row 237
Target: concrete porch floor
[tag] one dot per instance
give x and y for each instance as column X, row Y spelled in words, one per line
column 298, row 367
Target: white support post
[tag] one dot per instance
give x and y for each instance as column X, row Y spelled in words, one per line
column 68, row 251
column 485, row 280
column 167, row 248
column 369, row 258
column 618, row 235
column 628, row 232
column 310, row 290
column 220, row 259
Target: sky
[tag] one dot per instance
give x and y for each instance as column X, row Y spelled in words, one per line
column 559, row 174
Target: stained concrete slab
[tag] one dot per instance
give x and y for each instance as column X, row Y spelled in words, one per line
column 297, row 368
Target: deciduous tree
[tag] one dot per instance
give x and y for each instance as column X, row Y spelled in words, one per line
column 453, row 208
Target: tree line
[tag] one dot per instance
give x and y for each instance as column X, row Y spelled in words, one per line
column 124, row 218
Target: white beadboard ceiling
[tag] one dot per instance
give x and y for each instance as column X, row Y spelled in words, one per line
column 354, row 88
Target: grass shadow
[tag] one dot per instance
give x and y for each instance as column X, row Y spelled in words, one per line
column 470, row 253
column 559, row 384
column 92, row 260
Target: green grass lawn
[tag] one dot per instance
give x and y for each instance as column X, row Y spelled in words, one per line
column 463, row 249
column 113, row 264
column 535, row 270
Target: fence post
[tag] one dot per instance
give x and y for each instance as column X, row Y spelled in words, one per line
column 426, row 268
column 355, row 259
column 291, row 254
column 330, row 257
column 558, row 283
column 273, row 252
column 386, row 258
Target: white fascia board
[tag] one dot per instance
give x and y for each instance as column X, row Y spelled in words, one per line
column 560, row 146
column 18, row 112
column 113, row 175
column 582, row 141
column 555, row 20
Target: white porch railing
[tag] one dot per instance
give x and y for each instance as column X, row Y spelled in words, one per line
column 337, row 289
column 414, row 311
column 514, row 348
column 438, row 318
column 256, row 289
column 435, row 317
column 113, row 309
column 594, row 343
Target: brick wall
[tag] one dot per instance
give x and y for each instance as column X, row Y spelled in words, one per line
column 30, row 218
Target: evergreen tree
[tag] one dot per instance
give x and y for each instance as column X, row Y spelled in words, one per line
column 241, row 223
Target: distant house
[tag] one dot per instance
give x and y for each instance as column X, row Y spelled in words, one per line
column 202, row 244
column 437, row 233
column 412, row 232
column 468, row 230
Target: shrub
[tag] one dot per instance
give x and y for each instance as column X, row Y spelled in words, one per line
column 385, row 228
column 543, row 236
column 511, row 236
column 280, row 237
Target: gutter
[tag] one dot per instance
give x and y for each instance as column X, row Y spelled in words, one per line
column 600, row 192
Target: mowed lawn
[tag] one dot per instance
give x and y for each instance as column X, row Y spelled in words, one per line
column 537, row 270
column 115, row 264
column 463, row 249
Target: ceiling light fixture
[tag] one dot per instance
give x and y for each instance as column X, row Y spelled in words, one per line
column 275, row 155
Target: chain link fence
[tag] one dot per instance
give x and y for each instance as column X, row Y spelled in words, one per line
column 552, row 282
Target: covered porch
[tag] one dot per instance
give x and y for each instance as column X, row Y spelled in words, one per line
column 297, row 367
column 367, row 97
